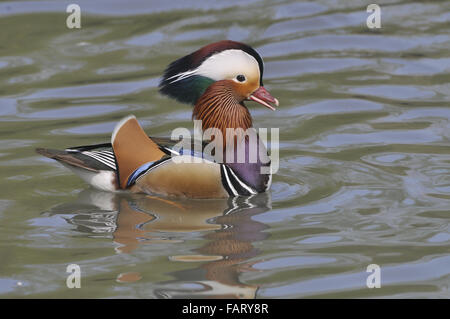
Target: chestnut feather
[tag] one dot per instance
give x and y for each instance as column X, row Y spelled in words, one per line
column 222, row 107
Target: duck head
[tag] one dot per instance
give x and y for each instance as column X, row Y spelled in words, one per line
column 188, row 78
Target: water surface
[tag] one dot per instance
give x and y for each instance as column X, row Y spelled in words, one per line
column 364, row 172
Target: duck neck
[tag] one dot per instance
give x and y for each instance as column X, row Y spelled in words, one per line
column 220, row 108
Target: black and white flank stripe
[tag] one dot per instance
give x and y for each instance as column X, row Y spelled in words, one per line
column 105, row 157
column 233, row 184
column 96, row 159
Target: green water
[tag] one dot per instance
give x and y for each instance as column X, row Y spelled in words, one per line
column 364, row 172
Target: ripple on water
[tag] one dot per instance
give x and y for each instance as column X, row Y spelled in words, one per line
column 419, row 114
column 287, row 68
column 4, row 203
column 343, row 140
column 420, row 66
column 333, row 106
column 399, row 92
column 94, row 90
column 372, row 43
column 76, row 111
column 364, row 159
column 293, row 261
column 424, row 270
column 320, row 240
column 314, row 24
column 9, row 107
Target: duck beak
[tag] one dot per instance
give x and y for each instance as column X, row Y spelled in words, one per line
column 262, row 96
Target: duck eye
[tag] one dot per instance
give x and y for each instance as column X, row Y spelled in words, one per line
column 240, row 78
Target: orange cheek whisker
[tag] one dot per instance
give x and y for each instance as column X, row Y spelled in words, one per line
column 220, row 107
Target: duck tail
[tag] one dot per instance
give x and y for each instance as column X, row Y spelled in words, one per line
column 97, row 169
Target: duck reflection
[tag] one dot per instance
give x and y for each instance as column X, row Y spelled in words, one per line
column 133, row 220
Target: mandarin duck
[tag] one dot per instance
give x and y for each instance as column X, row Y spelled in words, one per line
column 216, row 80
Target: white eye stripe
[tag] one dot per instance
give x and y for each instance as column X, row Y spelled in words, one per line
column 223, row 65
